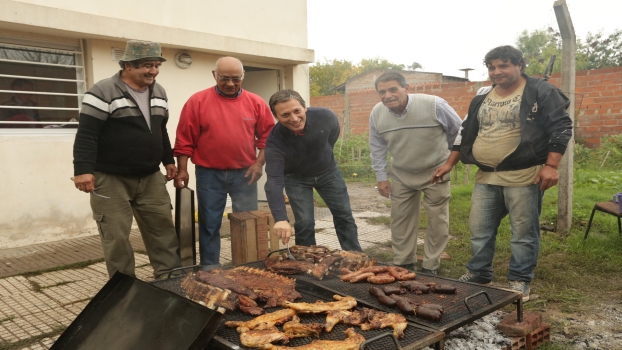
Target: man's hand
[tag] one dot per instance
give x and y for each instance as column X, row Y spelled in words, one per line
column 171, row 171
column 440, row 173
column 284, row 230
column 254, row 171
column 85, row 182
column 384, row 188
column 182, row 178
column 547, row 178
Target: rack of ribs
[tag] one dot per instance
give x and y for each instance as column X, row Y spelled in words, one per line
column 264, row 321
column 296, row 329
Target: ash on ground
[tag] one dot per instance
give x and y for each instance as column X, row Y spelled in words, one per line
column 479, row 335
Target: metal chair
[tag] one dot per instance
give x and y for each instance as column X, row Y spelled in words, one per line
column 610, row 208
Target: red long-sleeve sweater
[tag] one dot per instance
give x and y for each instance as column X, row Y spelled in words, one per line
column 223, row 133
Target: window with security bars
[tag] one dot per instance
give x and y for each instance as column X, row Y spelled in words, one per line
column 41, row 85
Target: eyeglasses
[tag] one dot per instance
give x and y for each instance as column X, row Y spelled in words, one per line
column 225, row 79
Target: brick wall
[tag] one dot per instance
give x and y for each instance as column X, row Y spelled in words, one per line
column 598, row 109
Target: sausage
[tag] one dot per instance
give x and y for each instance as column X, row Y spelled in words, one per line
column 428, row 314
column 444, row 289
column 387, row 301
column 388, row 290
column 405, row 307
column 348, row 276
column 361, row 277
column 398, row 298
column 375, row 291
column 380, row 279
column 416, row 287
column 433, row 307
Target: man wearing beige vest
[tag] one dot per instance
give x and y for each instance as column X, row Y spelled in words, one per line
column 419, row 131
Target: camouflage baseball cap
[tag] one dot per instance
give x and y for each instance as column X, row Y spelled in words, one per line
column 136, row 50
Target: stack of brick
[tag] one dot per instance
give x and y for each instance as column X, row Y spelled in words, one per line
column 526, row 335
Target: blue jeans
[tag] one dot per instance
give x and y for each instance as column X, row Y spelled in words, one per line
column 332, row 188
column 489, row 205
column 212, row 188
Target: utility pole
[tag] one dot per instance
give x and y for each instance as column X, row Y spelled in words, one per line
column 566, row 172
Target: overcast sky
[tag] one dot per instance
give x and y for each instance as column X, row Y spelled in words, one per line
column 441, row 35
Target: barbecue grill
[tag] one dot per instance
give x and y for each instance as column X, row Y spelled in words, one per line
column 471, row 302
column 415, row 336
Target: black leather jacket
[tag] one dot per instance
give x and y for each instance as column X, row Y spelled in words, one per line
column 545, row 127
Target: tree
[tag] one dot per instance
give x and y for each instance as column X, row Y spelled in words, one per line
column 415, row 66
column 597, row 51
column 602, row 52
column 538, row 47
column 376, row 63
column 325, row 76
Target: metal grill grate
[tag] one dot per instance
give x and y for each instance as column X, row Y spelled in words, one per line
column 456, row 313
column 415, row 336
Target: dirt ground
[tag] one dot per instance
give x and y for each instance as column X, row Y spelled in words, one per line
column 365, row 197
column 596, row 327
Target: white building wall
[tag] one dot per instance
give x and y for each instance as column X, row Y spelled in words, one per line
column 282, row 22
column 38, row 201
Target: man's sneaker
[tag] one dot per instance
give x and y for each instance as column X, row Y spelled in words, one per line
column 429, row 272
column 522, row 287
column 408, row 266
column 471, row 278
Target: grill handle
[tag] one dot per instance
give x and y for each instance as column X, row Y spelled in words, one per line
column 466, row 300
column 371, row 340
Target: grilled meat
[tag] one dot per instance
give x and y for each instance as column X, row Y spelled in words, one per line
column 428, row 314
column 262, row 338
column 342, row 303
column 381, row 320
column 353, row 318
column 323, row 265
column 416, row 287
column 381, row 279
column 211, row 297
column 379, row 274
column 253, row 283
column 295, row 329
column 285, row 266
column 264, row 321
column 352, row 342
column 317, row 261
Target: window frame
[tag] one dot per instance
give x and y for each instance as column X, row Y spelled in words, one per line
column 75, row 48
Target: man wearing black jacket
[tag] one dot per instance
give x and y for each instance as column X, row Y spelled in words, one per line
column 120, row 143
column 516, row 133
column 299, row 158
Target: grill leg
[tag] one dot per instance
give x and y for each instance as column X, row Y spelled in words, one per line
column 519, row 309
column 619, row 227
column 439, row 345
column 589, row 223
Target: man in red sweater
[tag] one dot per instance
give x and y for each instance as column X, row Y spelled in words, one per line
column 220, row 130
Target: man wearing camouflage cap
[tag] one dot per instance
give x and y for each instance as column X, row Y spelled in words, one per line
column 120, row 143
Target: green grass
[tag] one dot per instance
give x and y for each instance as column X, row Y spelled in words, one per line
column 379, row 220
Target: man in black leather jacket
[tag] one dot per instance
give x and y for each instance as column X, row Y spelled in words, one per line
column 516, row 133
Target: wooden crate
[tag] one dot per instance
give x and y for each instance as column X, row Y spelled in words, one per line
column 251, row 236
